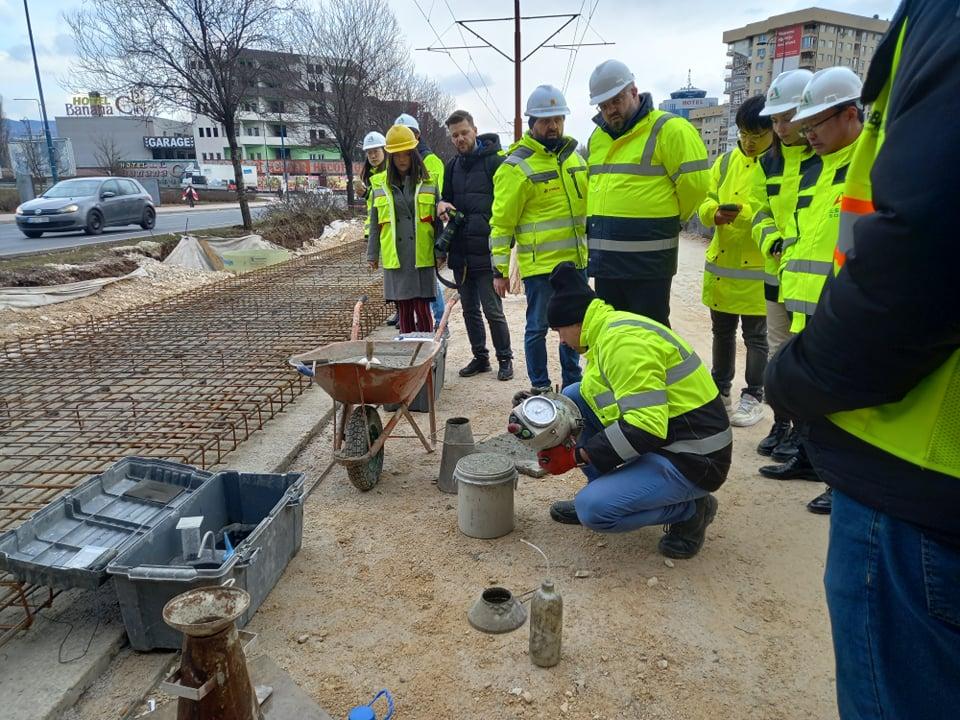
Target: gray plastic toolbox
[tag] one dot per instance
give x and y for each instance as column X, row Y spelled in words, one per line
column 267, row 509
column 69, row 543
column 420, row 403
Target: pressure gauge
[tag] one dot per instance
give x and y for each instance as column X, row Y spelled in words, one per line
column 539, row 411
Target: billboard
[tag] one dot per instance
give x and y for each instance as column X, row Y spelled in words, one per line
column 787, row 41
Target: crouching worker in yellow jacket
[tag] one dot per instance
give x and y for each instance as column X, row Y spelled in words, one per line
column 656, row 439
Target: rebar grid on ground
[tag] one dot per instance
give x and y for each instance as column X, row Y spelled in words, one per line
column 188, row 379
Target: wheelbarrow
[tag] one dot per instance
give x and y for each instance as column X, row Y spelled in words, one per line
column 363, row 375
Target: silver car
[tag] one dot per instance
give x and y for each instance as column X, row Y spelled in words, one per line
column 88, row 204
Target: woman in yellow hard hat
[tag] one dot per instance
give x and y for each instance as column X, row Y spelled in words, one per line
column 403, row 224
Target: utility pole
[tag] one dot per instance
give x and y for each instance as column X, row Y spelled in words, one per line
column 43, row 106
column 518, row 56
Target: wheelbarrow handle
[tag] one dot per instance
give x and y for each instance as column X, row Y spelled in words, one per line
column 301, row 368
column 451, row 302
column 357, row 309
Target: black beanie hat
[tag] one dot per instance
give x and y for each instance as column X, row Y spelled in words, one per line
column 571, row 296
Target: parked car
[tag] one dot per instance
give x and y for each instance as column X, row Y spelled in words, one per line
column 88, row 204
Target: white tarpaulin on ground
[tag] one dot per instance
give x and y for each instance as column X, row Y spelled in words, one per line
column 189, row 253
column 37, row 296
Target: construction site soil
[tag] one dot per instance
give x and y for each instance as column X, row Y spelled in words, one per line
column 378, row 595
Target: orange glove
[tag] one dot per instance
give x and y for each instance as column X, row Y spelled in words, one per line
column 558, row 460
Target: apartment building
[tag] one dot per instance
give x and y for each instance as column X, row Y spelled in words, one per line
column 712, row 123
column 814, row 39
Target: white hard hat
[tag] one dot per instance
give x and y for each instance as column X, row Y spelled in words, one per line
column 546, row 101
column 407, row 121
column 786, row 91
column 828, row 88
column 607, row 79
column 374, row 140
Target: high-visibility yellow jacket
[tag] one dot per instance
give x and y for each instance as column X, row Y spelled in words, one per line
column 924, row 427
column 774, row 224
column 733, row 270
column 435, row 168
column 426, row 213
column 818, row 222
column 374, row 178
column 643, row 184
column 539, row 204
column 651, row 393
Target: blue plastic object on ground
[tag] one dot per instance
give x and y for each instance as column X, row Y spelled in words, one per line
column 365, row 712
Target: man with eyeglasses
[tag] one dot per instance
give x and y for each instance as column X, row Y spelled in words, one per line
column 648, row 173
column 775, row 233
column 733, row 271
column 831, row 119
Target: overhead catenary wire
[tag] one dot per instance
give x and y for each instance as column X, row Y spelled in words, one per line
column 577, row 43
column 453, row 60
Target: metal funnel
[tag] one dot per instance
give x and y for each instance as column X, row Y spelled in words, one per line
column 457, row 442
column 496, row 611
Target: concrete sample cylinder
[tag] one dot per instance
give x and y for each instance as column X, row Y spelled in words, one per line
column 457, row 443
column 485, row 499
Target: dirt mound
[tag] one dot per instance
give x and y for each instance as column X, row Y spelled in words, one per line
column 46, row 275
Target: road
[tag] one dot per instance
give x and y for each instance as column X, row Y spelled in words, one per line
column 13, row 242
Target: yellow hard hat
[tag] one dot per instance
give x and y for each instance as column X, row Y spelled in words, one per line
column 400, row 138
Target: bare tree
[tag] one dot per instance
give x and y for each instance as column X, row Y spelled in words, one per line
column 407, row 92
column 357, row 45
column 108, row 154
column 179, row 55
column 4, row 138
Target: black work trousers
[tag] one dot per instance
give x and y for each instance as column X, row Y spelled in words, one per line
column 650, row 298
column 754, row 328
column 476, row 292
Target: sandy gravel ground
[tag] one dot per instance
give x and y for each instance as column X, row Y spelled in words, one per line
column 378, row 595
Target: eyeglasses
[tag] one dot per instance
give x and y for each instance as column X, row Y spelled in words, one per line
column 750, row 136
column 807, row 129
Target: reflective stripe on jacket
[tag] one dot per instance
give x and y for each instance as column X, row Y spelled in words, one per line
column 642, row 185
column 652, row 393
column 426, row 211
column 733, row 270
column 818, row 220
column 539, row 205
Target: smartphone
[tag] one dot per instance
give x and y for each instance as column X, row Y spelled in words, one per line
column 730, row 207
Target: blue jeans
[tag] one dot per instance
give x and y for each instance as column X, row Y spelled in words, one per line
column 894, row 600
column 438, row 305
column 645, row 491
column 538, row 292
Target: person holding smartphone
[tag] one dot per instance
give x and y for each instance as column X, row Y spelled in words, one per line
column 733, row 273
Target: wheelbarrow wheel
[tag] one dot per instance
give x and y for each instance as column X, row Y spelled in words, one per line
column 363, row 429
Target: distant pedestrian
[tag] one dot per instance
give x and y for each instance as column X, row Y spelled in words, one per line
column 190, row 195
column 403, row 224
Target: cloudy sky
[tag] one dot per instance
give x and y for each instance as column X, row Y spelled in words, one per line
column 659, row 40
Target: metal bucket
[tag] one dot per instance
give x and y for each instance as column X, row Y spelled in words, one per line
column 485, row 499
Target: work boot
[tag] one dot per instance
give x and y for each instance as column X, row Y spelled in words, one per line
column 563, row 511
column 822, row 504
column 788, row 448
column 475, row 367
column 796, row 468
column 777, row 434
column 684, row 539
column 506, row 370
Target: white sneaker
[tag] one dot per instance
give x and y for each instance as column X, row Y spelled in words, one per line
column 749, row 412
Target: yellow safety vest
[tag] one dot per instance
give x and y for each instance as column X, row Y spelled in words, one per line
column 434, row 166
column 374, row 179
column 924, row 427
column 733, row 269
column 646, row 374
column 425, row 210
column 810, row 262
column 539, row 204
column 642, row 185
column 775, row 219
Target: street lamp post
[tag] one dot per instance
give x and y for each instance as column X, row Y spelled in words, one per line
column 43, row 106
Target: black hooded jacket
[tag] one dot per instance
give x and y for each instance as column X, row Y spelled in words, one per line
column 890, row 317
column 468, row 184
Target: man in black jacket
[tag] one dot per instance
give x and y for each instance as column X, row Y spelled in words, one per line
column 468, row 189
column 876, row 374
